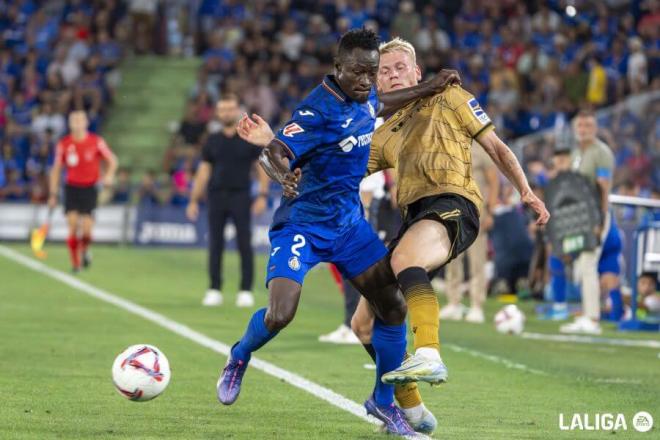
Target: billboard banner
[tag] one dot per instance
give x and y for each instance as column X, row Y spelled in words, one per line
column 168, row 226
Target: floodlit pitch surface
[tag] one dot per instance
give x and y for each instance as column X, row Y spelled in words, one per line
column 58, row 344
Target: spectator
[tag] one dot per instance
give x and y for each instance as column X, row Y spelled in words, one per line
column 191, row 127
column 67, row 68
column 122, row 190
column 143, row 19
column 597, row 83
column 291, row 40
column 407, row 22
column 206, row 84
column 637, row 66
column 148, row 191
column 47, row 120
column 15, row 189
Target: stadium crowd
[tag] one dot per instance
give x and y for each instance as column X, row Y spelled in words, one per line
column 54, row 57
column 532, row 64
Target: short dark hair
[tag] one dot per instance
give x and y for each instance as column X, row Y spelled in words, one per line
column 358, row 39
column 229, row 96
column 586, row 113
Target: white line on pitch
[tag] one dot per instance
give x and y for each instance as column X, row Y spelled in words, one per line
column 182, row 330
column 592, row 340
column 496, row 359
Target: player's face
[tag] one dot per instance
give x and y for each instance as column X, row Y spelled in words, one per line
column 397, row 71
column 585, row 129
column 78, row 122
column 228, row 112
column 356, row 73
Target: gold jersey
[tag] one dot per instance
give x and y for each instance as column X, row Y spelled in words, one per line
column 428, row 143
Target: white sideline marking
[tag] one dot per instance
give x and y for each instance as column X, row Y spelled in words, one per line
column 592, row 340
column 496, row 359
column 182, row 330
column 619, row 380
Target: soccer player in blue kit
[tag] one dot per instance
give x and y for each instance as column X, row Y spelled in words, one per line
column 319, row 157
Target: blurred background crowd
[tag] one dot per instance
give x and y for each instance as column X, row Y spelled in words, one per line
column 531, row 63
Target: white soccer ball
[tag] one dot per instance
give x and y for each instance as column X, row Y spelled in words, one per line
column 510, row 320
column 141, row 372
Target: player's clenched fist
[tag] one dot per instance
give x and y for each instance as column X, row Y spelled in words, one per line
column 443, row 79
column 290, row 183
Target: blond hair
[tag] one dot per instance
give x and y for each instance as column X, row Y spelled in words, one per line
column 398, row 44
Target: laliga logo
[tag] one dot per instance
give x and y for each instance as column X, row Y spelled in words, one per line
column 642, row 422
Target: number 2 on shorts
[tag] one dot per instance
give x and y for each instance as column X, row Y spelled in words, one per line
column 299, row 241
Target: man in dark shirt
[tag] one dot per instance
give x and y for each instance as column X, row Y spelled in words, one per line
column 227, row 161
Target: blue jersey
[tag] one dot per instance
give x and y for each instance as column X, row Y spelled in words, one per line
column 328, row 136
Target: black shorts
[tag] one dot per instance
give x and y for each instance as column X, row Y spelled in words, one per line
column 458, row 214
column 81, row 199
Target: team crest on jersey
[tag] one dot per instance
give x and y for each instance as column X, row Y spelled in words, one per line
column 72, row 158
column 292, row 129
column 478, row 112
column 294, row 263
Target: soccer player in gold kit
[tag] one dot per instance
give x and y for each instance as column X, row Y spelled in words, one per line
column 428, row 143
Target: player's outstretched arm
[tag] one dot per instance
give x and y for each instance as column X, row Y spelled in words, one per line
column 508, row 164
column 392, row 101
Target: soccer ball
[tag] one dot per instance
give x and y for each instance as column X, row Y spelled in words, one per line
column 510, row 320
column 141, row 372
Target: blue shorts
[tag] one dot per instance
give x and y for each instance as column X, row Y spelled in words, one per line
column 611, row 254
column 295, row 251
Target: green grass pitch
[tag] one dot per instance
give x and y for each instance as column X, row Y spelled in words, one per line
column 57, row 347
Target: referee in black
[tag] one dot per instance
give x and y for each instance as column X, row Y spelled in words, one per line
column 226, row 165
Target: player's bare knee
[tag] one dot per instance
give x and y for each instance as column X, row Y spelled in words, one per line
column 400, row 260
column 276, row 320
column 362, row 329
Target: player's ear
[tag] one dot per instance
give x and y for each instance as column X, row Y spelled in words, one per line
column 418, row 72
column 337, row 66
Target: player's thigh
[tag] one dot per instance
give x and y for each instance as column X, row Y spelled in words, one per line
column 425, row 244
column 362, row 321
column 283, row 298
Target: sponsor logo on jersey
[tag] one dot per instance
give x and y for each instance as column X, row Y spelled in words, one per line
column 363, row 140
column 478, row 112
column 292, row 129
column 347, row 123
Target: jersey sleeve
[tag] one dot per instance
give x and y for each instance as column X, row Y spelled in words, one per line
column 303, row 132
column 605, row 165
column 104, row 150
column 468, row 111
column 377, row 161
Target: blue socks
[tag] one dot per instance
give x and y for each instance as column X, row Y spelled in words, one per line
column 557, row 280
column 617, row 305
column 256, row 336
column 389, row 341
